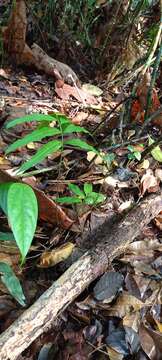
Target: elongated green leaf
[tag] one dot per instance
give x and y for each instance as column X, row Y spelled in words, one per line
column 3, row 195
column 30, row 118
column 80, row 144
column 76, row 190
column 71, row 128
column 22, row 211
column 62, row 119
column 12, row 283
column 41, row 154
column 36, row 135
column 6, row 236
column 88, row 188
column 69, row 200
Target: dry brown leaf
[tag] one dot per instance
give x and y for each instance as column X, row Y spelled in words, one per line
column 147, row 343
column 149, row 182
column 66, row 91
column 114, row 355
column 81, row 116
column 132, row 320
column 158, row 174
column 3, row 74
column 51, row 258
column 125, row 305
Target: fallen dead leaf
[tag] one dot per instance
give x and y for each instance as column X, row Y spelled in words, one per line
column 66, row 91
column 51, row 258
column 149, row 182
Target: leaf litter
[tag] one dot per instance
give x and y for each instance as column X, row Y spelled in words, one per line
column 118, row 317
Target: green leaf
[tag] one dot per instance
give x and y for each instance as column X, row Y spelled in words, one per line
column 30, row 118
column 22, row 212
column 7, row 236
column 95, row 198
column 36, row 135
column 80, row 144
column 3, row 195
column 88, row 188
column 69, row 200
column 137, row 155
column 130, row 148
column 71, row 128
column 131, row 156
column 76, row 190
column 41, row 154
column 63, row 120
column 156, row 152
column 12, row 283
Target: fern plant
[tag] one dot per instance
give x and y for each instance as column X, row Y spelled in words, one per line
column 62, row 128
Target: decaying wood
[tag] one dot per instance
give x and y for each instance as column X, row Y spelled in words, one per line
column 49, row 65
column 111, row 242
column 14, row 37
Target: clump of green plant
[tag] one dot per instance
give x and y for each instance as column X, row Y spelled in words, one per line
column 62, row 129
column 86, row 196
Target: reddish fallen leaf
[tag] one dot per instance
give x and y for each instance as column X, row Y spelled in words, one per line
column 51, row 212
column 64, row 91
column 48, row 210
column 158, row 221
column 139, row 105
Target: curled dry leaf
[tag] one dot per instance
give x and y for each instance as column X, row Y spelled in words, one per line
column 149, row 182
column 51, row 258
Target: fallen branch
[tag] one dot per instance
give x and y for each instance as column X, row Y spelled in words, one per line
column 112, row 241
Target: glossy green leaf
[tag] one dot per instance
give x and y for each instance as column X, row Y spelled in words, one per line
column 22, row 212
column 69, row 200
column 80, row 144
column 76, row 190
column 36, row 135
column 40, row 155
column 12, row 283
column 30, row 118
column 88, row 188
column 6, row 236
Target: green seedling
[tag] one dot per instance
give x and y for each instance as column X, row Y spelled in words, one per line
column 86, row 196
column 134, row 154
column 60, row 132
